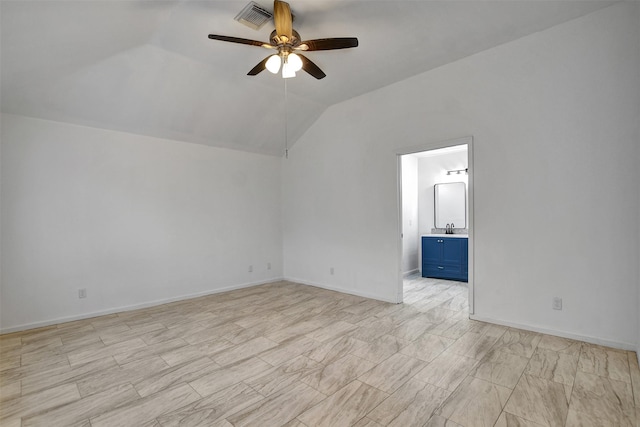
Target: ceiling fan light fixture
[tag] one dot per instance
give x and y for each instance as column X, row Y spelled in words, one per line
column 273, row 64
column 288, row 71
column 295, row 62
column 285, row 40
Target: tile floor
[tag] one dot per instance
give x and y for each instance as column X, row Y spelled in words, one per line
column 290, row 355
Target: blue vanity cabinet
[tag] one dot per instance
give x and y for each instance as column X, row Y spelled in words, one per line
column 445, row 258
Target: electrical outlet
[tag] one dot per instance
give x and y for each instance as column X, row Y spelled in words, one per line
column 268, row 266
column 331, row 271
column 82, row 293
column 557, row 303
column 251, row 269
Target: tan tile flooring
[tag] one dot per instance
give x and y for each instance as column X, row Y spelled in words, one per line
column 287, row 354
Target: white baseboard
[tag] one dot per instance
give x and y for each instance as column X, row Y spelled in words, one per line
column 342, row 290
column 410, row 272
column 66, row 319
column 585, row 338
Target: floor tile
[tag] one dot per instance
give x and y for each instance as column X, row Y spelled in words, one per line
column 228, row 376
column 437, row 315
column 279, row 378
column 580, row 419
column 364, row 422
column 36, row 403
column 519, row 342
column 130, row 372
column 603, row 398
column 561, row 345
column 427, row 347
column 553, row 366
column 447, row 370
column 84, row 356
column 174, row 375
column 332, row 377
column 539, row 400
column 279, row 409
column 67, row 374
column 438, row 421
column 149, row 350
column 81, row 410
column 473, row 345
column 287, row 350
column 605, row 362
column 393, row 372
column 380, row 349
column 372, row 329
column 333, row 350
column 148, row 408
column 331, row 331
column 475, row 403
column 635, row 376
column 509, row 420
column 412, row 329
column 501, row 368
column 410, row 405
column 296, row 330
column 345, row 407
column 11, row 390
column 215, row 408
column 127, row 336
column 243, row 351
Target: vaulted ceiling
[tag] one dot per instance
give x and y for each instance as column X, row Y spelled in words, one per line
column 147, row 67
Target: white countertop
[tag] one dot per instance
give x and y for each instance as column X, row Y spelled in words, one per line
column 466, row 236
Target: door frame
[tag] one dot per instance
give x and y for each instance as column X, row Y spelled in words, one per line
column 429, row 146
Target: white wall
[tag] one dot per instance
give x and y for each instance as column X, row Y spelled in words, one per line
column 554, row 119
column 410, row 218
column 132, row 219
column 432, row 170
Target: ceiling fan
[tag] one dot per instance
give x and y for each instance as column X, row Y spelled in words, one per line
column 286, row 41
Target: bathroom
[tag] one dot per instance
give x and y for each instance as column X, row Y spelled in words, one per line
column 426, row 202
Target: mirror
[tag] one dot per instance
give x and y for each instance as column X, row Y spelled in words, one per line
column 450, row 204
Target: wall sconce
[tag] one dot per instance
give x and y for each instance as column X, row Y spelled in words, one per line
column 458, row 171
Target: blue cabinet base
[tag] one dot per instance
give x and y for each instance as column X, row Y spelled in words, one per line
column 445, row 258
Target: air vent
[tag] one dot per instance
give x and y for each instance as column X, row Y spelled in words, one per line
column 254, row 16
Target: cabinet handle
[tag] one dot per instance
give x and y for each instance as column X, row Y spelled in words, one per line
column 440, row 268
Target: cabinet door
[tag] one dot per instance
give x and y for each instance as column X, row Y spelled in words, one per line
column 465, row 258
column 452, row 250
column 431, row 250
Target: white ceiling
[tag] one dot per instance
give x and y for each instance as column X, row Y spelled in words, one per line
column 147, row 67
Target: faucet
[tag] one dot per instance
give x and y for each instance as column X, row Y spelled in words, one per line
column 451, row 229
column 447, row 229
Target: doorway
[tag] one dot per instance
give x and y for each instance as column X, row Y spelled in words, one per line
column 420, row 168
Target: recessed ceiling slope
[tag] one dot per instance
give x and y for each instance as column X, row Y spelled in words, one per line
column 148, row 67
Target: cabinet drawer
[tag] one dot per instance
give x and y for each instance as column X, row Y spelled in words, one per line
column 442, row 270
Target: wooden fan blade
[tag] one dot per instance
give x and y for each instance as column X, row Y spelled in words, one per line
column 259, row 68
column 329, row 44
column 241, row 41
column 282, row 19
column 311, row 68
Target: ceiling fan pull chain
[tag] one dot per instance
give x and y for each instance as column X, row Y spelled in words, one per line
column 286, row 121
